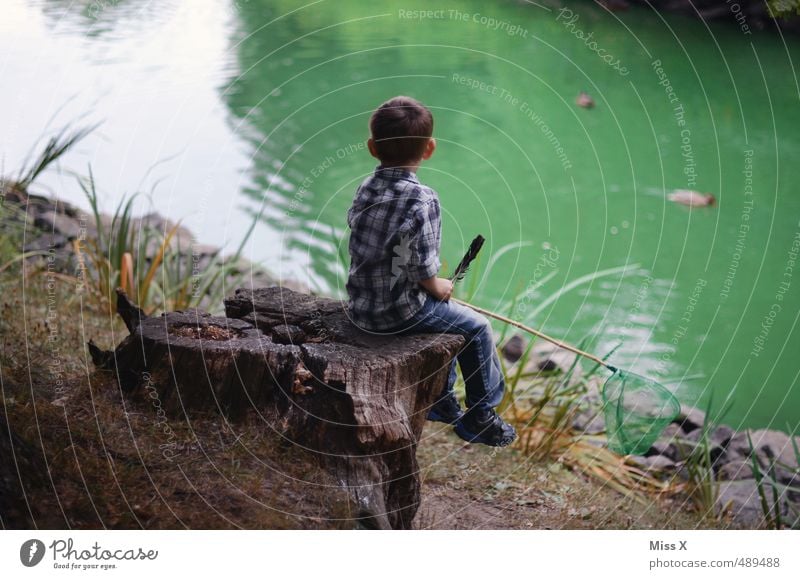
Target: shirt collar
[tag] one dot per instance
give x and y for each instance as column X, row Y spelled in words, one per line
column 395, row 173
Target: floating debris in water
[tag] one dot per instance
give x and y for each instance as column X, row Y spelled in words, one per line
column 692, row 198
column 584, row 100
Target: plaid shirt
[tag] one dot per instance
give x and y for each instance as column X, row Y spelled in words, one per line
column 395, row 225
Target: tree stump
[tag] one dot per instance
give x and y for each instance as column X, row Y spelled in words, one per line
column 357, row 400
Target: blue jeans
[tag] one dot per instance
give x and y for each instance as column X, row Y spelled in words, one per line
column 478, row 359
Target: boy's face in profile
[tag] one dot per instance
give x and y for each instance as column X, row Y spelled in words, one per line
column 430, row 147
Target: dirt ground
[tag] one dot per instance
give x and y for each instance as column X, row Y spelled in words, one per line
column 468, row 486
column 109, row 467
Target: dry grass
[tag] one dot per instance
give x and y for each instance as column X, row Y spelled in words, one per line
column 119, row 463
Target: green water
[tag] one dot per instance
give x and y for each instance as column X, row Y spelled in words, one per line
column 260, row 110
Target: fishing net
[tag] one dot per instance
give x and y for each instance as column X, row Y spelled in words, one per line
column 636, row 411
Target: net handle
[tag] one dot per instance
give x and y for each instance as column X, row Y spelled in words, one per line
column 537, row 333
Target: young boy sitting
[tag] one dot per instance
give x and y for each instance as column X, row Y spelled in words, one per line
column 395, row 227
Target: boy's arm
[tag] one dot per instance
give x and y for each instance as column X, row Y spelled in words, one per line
column 438, row 287
column 423, row 259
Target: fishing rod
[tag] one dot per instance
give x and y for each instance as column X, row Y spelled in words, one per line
column 461, row 271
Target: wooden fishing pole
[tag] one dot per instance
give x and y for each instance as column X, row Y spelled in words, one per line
column 458, row 275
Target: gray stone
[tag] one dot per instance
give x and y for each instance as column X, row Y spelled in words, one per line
column 774, row 444
column 664, row 448
column 636, row 460
column 547, row 357
column 769, row 446
column 653, row 464
column 736, row 469
column 659, row 462
column 589, row 422
column 737, row 446
column 722, row 435
column 716, row 450
column 46, row 241
column 50, row 221
column 740, row 500
column 204, row 250
column 690, row 418
column 514, row 347
column 672, row 433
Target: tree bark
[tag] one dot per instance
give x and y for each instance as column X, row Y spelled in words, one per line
column 357, row 400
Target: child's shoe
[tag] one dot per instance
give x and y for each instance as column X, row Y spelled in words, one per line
column 486, row 427
column 446, row 409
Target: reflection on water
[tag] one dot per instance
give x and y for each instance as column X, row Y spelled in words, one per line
column 104, row 20
column 258, row 109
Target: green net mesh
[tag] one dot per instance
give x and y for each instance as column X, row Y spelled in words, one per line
column 636, row 410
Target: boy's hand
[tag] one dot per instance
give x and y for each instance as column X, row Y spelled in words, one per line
column 438, row 287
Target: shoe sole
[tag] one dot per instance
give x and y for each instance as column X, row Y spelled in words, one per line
column 468, row 436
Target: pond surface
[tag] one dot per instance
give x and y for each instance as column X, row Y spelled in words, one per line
column 231, row 112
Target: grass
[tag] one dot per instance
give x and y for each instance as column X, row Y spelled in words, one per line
column 104, row 455
column 107, row 454
column 702, row 485
column 13, row 219
column 158, row 268
column 543, row 405
column 113, row 443
column 771, row 491
column 55, row 148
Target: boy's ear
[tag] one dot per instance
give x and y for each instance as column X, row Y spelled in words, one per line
column 430, row 147
column 371, row 147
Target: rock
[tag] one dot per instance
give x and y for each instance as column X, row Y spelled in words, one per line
column 740, row 500
column 774, row 444
column 546, row 357
column 46, row 241
column 769, row 446
column 59, row 223
column 514, row 348
column 203, row 250
column 672, row 433
column 690, row 418
column 736, row 469
column 637, row 460
column 655, row 463
column 722, row 435
column 589, row 422
column 659, row 462
column 715, row 450
column 354, row 399
column 738, row 446
column 664, row 448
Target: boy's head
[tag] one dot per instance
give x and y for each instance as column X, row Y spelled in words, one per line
column 401, row 131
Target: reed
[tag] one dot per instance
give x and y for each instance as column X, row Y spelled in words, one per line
column 542, row 405
column 771, row 491
column 152, row 265
column 55, row 148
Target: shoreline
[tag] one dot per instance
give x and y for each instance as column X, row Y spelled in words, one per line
column 58, row 225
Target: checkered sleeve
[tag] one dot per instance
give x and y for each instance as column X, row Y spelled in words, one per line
column 423, row 262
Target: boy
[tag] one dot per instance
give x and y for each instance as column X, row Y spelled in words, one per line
column 394, row 258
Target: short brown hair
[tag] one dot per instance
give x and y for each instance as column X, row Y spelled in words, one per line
column 400, row 129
